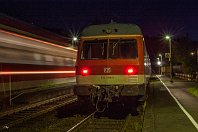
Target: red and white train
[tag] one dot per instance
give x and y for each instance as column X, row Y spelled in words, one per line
column 112, row 63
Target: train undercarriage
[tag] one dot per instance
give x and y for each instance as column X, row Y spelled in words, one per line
column 103, row 95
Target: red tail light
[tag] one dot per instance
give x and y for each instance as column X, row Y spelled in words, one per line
column 85, row 71
column 130, row 71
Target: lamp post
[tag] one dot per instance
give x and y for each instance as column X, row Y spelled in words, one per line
column 74, row 39
column 161, row 63
column 160, row 58
column 170, row 57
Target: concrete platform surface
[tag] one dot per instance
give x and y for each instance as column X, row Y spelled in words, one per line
column 163, row 114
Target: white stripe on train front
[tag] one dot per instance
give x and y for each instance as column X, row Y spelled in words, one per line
column 110, row 79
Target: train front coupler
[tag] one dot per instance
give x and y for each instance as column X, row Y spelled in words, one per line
column 100, row 97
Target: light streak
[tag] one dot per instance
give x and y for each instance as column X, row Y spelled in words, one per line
column 33, row 39
column 34, row 72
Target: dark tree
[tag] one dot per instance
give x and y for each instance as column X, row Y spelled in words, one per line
column 184, row 50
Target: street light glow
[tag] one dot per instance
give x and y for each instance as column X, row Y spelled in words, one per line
column 74, row 41
column 167, row 37
column 192, row 53
column 75, row 38
column 170, row 59
column 159, row 63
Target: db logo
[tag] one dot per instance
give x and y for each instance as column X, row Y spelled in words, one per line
column 107, row 70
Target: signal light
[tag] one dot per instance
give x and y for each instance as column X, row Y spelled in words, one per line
column 85, row 71
column 130, row 71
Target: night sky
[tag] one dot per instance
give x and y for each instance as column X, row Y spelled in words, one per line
column 155, row 17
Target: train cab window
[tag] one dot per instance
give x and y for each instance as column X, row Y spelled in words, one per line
column 94, row 49
column 109, row 49
column 122, row 48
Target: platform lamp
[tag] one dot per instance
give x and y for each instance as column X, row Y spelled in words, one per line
column 168, row 37
column 160, row 55
column 74, row 40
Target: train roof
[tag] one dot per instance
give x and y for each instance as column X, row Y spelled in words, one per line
column 112, row 29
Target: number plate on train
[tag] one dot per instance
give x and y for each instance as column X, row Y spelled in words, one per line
column 107, row 77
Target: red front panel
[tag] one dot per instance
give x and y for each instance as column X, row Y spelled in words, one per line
column 111, row 67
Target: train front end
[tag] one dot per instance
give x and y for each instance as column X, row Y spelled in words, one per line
column 110, row 63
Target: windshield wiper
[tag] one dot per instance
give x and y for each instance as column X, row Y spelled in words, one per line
column 114, row 45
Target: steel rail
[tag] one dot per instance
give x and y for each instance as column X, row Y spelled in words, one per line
column 26, row 107
column 36, row 111
column 81, row 122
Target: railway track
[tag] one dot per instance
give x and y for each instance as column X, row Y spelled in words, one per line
column 105, row 124
column 73, row 117
column 91, row 124
column 11, row 118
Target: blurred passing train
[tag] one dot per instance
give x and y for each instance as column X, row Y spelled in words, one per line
column 112, row 63
column 27, row 62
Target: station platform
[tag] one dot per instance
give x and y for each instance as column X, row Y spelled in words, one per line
column 163, row 114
